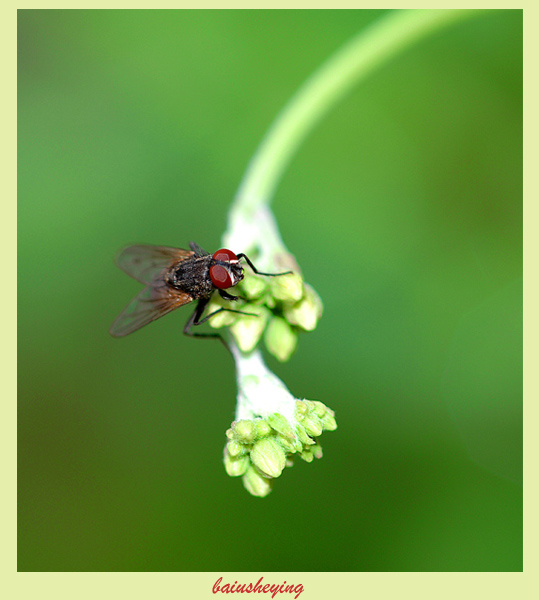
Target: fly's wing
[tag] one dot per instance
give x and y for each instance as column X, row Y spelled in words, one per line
column 146, row 263
column 150, row 304
column 198, row 250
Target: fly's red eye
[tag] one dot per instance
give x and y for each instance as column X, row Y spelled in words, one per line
column 225, row 255
column 220, row 276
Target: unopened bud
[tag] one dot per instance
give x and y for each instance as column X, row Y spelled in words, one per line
column 280, row 424
column 301, row 408
column 307, row 311
column 287, row 288
column 320, row 409
column 302, row 435
column 329, row 422
column 234, row 448
column 313, row 425
column 280, row 339
column 253, row 287
column 316, row 450
column 244, row 431
column 256, row 484
column 236, row 466
column 269, row 457
column 247, row 329
column 307, row 455
column 262, row 429
column 223, row 319
column 287, row 445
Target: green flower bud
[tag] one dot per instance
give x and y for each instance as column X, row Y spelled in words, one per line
column 313, row 425
column 280, row 339
column 309, row 404
column 244, row 431
column 253, row 287
column 320, row 409
column 301, row 409
column 307, row 455
column 236, row 466
column 262, row 429
column 306, row 312
column 280, row 424
column 269, row 457
column 222, row 319
column 317, row 451
column 287, row 288
column 287, row 444
column 256, row 484
column 247, row 330
column 329, row 422
column 302, row 435
column 234, row 448
column 270, row 301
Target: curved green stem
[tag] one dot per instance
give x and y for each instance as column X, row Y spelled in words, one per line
column 370, row 49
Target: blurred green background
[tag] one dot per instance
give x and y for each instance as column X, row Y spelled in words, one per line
column 404, row 209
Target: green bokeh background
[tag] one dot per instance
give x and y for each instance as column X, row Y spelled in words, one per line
column 404, row 209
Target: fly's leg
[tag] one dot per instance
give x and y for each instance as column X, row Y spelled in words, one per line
column 227, row 296
column 247, row 259
column 238, row 312
column 195, row 320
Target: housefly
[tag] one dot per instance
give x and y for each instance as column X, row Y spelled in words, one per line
column 174, row 277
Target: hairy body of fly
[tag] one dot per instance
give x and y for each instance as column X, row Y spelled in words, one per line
column 192, row 277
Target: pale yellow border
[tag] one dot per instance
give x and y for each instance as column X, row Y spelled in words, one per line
column 333, row 586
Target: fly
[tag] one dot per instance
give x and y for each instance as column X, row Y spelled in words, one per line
column 174, row 277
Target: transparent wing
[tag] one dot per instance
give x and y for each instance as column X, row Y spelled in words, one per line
column 146, row 263
column 150, row 304
column 198, row 250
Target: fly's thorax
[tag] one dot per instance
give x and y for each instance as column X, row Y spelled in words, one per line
column 192, row 276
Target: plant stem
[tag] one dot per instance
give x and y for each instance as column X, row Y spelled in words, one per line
column 260, row 392
column 368, row 50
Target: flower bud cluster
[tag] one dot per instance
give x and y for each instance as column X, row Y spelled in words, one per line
column 280, row 307
column 258, row 450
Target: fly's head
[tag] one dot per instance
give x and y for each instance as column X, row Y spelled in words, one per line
column 225, row 269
